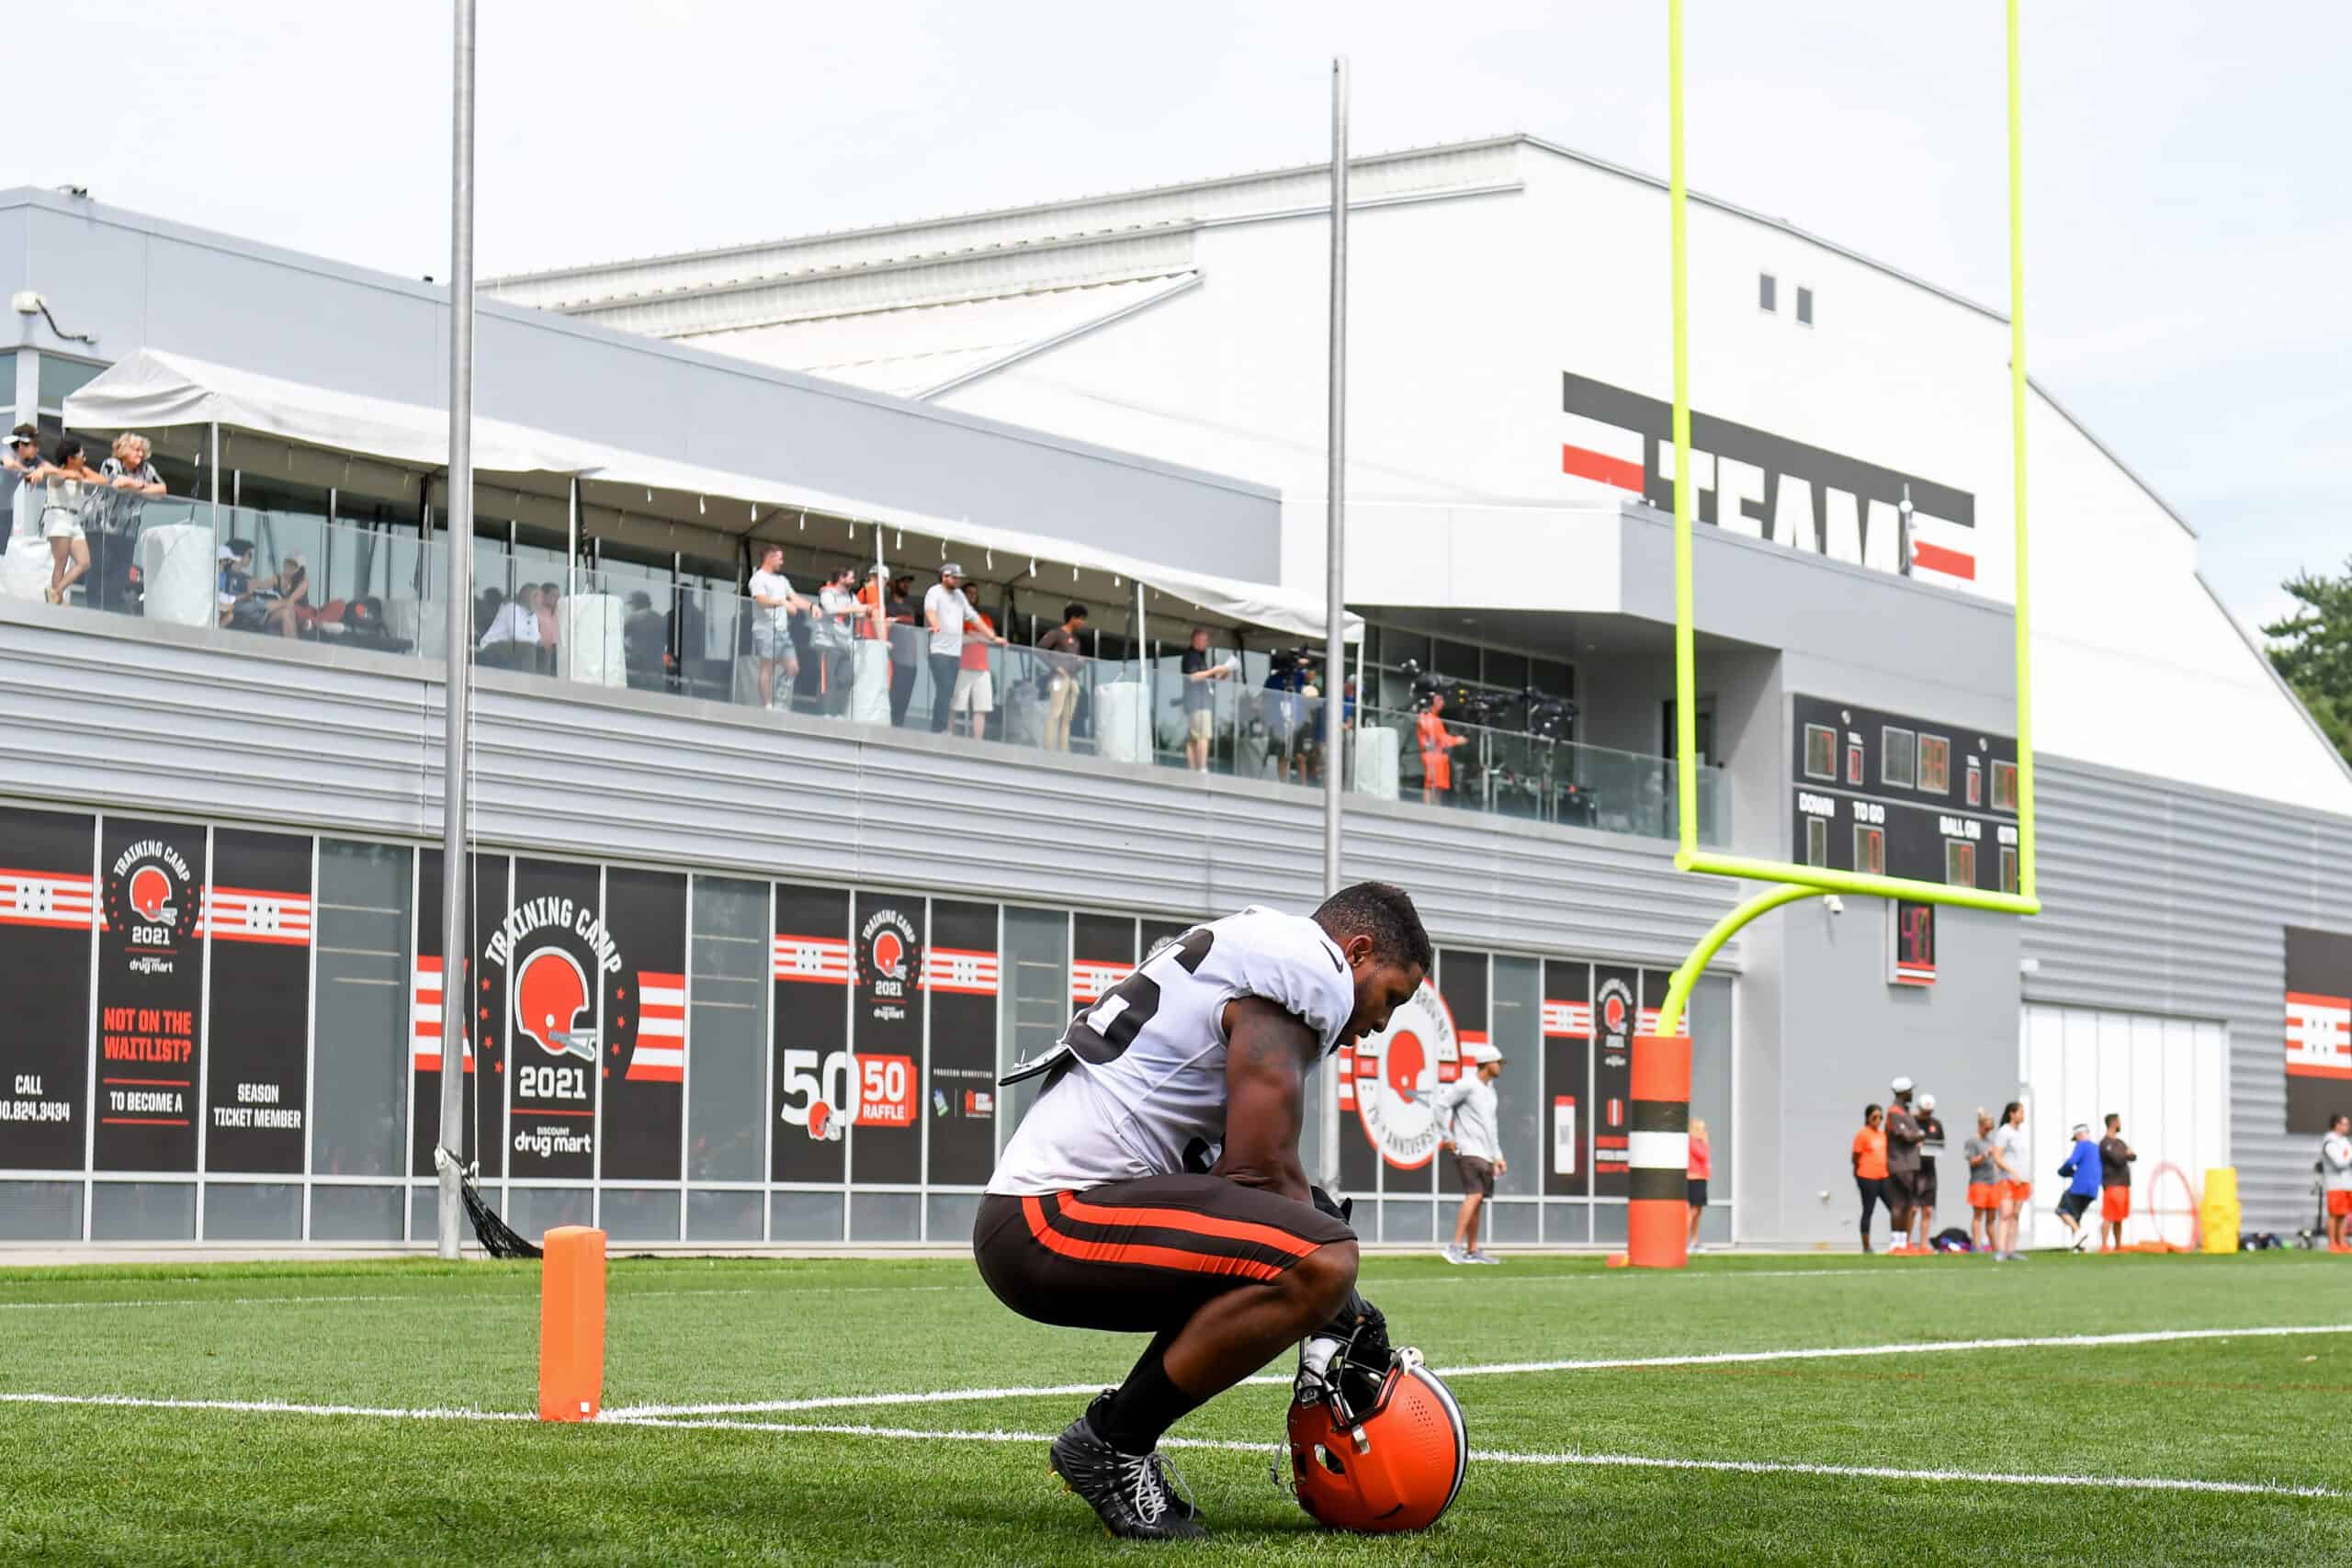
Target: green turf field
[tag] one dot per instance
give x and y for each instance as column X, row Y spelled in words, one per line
column 423, row 1356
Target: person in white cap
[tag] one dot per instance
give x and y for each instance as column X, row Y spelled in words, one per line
column 1903, row 1140
column 1466, row 1113
column 1923, row 1194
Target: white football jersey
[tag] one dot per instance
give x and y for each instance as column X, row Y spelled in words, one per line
column 1139, row 1078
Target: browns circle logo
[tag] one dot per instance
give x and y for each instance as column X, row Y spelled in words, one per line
column 552, row 1004
column 1615, row 1014
column 1396, row 1069
column 151, row 903
column 889, row 957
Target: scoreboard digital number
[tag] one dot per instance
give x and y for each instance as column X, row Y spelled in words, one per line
column 1896, row 795
column 1910, row 943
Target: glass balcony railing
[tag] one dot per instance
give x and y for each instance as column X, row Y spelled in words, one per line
column 301, row 579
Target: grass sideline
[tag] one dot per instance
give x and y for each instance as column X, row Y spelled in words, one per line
column 96, row 1483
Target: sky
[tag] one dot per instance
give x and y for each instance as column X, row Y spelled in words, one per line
column 2189, row 202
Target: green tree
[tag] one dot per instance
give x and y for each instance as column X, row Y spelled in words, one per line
column 2312, row 649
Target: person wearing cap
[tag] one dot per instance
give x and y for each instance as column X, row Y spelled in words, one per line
column 948, row 615
column 2082, row 1171
column 1923, row 1193
column 1903, row 1140
column 1466, row 1117
column 901, row 626
column 1984, row 1184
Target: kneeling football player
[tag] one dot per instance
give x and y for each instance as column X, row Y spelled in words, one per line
column 1156, row 1186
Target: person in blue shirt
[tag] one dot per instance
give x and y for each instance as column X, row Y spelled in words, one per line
column 2082, row 1168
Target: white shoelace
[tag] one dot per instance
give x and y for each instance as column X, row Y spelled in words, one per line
column 1146, row 1486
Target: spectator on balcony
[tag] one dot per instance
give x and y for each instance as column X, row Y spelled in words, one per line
column 1284, row 703
column 645, row 643
column 512, row 640
column 1437, row 744
column 363, row 626
column 1199, row 667
column 111, row 516
column 975, row 682
column 286, row 599
column 833, row 635
column 67, row 485
column 871, row 601
column 550, row 607
column 949, row 616
column 1065, row 661
column 903, row 626
column 772, row 603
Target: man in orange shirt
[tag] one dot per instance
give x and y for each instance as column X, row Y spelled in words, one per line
column 1869, row 1167
column 1437, row 744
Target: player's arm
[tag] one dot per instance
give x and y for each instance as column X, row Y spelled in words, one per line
column 1268, row 1054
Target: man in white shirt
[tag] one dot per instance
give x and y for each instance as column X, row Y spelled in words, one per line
column 2336, row 1179
column 1156, row 1186
column 513, row 632
column 772, row 603
column 948, row 614
column 1465, row 1110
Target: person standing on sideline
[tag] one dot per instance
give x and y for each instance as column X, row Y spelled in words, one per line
column 772, row 603
column 1701, row 1162
column 1870, row 1166
column 2082, row 1173
column 2336, row 1178
column 1984, row 1184
column 2010, row 1154
column 1923, row 1193
column 948, row 615
column 1199, row 667
column 2115, row 1158
column 1903, row 1139
column 1466, row 1113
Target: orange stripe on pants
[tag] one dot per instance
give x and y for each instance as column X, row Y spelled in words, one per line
column 1140, row 1253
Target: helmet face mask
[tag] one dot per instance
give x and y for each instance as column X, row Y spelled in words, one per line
column 1393, row 1465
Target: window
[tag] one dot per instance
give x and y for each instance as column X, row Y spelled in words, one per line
column 2005, row 786
column 1768, row 291
column 1935, row 764
column 1869, row 850
column 1959, row 862
column 1854, row 763
column 1896, row 749
column 1975, row 782
column 1820, row 753
column 2008, row 869
column 1804, row 306
column 1816, row 840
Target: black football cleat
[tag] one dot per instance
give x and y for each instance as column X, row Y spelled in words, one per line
column 1135, row 1495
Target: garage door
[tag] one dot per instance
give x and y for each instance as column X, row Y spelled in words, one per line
column 2163, row 1076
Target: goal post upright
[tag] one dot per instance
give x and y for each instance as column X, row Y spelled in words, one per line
column 1794, row 881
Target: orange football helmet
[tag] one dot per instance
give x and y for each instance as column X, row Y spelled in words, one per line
column 1395, row 1465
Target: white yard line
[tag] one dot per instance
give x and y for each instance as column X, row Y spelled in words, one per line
column 435, row 1298
column 1501, row 1368
column 1484, row 1455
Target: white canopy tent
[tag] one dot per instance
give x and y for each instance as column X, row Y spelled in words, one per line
column 317, row 433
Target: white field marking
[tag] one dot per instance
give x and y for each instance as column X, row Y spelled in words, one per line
column 1501, row 1368
column 1485, row 1456
column 1505, row 1456
column 524, row 1297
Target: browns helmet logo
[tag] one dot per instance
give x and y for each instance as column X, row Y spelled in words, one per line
column 553, row 1005
column 151, row 902
column 1397, row 1068
column 889, row 963
column 1615, row 1014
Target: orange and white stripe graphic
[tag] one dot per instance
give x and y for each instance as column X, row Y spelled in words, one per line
column 1610, row 454
column 1567, row 1021
column 2319, row 1035
column 964, row 971
column 1649, row 1022
column 245, row 914
column 1089, row 979
column 425, row 1012
column 812, row 960
column 661, row 1054
column 46, row 898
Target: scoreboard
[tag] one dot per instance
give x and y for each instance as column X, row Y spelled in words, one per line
column 1896, row 794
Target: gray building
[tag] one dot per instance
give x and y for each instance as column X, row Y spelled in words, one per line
column 740, row 861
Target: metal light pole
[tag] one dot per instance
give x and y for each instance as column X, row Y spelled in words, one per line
column 1335, row 609
column 457, row 1002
